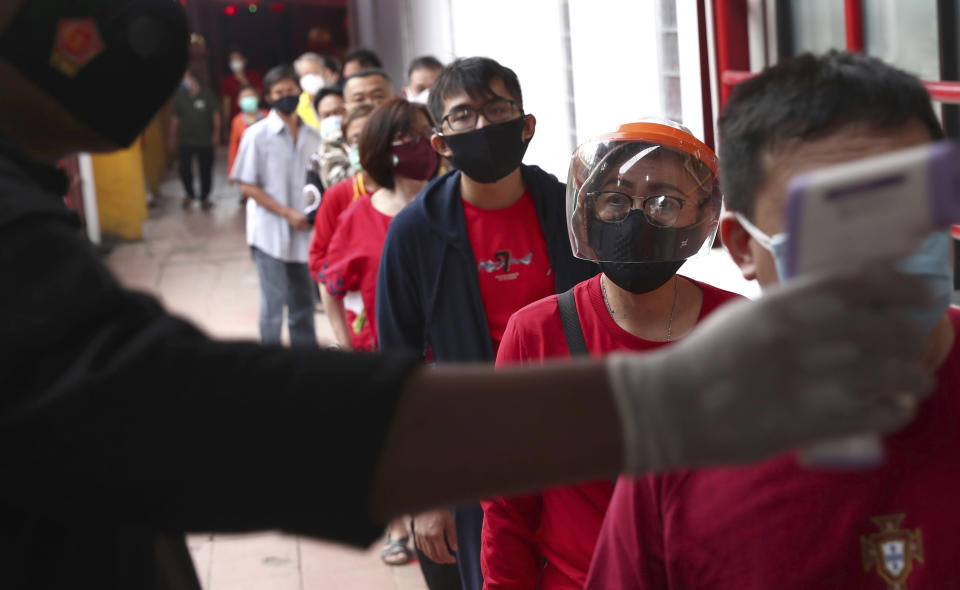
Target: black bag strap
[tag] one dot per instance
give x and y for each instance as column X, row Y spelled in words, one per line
column 571, row 324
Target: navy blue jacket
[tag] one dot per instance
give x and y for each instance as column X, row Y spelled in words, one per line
column 428, row 293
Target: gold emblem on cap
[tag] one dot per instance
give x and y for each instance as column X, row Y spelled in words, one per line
column 76, row 44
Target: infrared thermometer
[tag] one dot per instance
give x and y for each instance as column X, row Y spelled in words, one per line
column 874, row 209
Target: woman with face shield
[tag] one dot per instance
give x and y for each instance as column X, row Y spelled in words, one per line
column 640, row 201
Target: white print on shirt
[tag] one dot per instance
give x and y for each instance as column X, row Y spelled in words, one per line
column 503, row 260
column 892, row 551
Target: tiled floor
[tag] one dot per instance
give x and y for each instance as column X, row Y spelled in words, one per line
column 198, row 264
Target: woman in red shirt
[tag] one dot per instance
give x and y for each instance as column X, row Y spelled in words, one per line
column 395, row 152
column 641, row 201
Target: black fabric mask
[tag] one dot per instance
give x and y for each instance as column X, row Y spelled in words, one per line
column 636, row 239
column 640, row 277
column 76, row 50
column 490, row 153
column 286, row 105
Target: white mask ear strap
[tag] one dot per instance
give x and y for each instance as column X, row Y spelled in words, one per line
column 755, row 232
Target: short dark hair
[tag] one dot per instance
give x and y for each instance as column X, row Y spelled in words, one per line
column 424, row 62
column 325, row 92
column 394, row 117
column 244, row 87
column 366, row 73
column 331, row 63
column 365, row 57
column 278, row 73
column 472, row 75
column 805, row 97
column 359, row 111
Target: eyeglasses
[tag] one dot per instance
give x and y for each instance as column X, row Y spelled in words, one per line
column 464, row 117
column 662, row 210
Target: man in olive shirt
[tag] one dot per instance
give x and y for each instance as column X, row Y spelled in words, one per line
column 194, row 133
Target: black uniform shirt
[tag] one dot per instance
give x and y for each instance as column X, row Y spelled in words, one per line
column 119, row 422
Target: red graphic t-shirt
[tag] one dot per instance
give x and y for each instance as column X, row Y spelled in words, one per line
column 559, row 525
column 777, row 525
column 512, row 262
column 353, row 259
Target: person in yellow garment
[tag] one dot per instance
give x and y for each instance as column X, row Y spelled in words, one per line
column 111, row 408
column 310, row 67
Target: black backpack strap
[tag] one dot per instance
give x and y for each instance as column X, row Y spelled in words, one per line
column 571, row 324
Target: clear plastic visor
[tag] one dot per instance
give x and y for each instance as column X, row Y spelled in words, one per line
column 633, row 201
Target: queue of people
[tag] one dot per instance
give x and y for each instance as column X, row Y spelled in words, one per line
column 108, row 398
column 499, row 261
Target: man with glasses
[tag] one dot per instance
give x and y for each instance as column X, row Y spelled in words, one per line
column 478, row 244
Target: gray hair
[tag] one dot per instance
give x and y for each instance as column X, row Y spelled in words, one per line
column 309, row 56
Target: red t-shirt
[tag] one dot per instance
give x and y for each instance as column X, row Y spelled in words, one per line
column 352, row 262
column 230, row 88
column 334, row 202
column 513, row 266
column 559, row 525
column 777, row 525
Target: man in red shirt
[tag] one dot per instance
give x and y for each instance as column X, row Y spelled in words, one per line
column 777, row 524
column 478, row 244
column 631, row 193
column 231, row 83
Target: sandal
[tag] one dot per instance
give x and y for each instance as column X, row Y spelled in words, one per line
column 396, row 552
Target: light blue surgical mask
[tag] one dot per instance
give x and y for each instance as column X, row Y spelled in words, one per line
column 775, row 244
column 330, row 125
column 353, row 152
column 931, row 262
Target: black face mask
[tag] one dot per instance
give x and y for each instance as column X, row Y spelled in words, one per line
column 287, row 105
column 73, row 50
column 635, row 238
column 490, row 153
column 640, row 277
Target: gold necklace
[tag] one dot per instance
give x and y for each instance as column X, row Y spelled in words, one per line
column 673, row 307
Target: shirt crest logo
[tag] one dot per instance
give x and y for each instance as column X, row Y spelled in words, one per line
column 892, row 551
column 76, row 44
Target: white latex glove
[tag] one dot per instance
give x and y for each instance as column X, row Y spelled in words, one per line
column 821, row 357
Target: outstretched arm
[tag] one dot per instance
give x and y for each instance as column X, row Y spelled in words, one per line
column 825, row 357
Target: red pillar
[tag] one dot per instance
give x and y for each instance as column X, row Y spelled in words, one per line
column 732, row 40
column 853, row 17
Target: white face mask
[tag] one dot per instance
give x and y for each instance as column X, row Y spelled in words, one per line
column 311, row 84
column 421, row 98
column 237, row 65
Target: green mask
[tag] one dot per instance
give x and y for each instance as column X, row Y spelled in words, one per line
column 353, row 152
column 249, row 104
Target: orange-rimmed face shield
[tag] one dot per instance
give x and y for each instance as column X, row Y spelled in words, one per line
column 647, row 192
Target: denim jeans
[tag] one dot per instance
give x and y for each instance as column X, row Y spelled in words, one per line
column 285, row 283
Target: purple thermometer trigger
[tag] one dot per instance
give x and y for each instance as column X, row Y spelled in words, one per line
column 944, row 193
